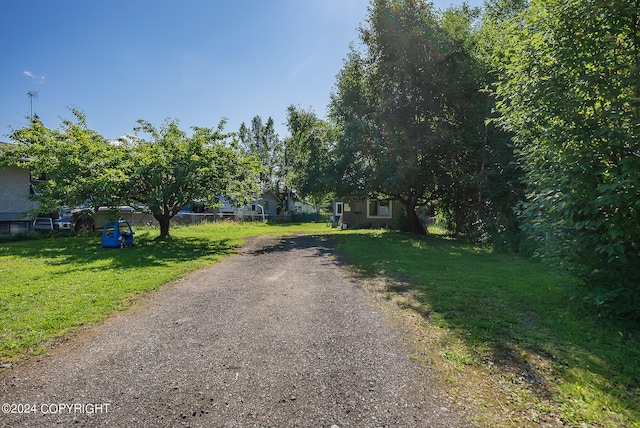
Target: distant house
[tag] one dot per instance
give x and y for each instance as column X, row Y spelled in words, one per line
column 301, row 206
column 226, row 210
column 16, row 185
column 369, row 213
column 268, row 206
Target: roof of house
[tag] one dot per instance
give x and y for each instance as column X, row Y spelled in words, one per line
column 14, row 217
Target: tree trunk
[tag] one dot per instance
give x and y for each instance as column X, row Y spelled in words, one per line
column 164, row 228
column 164, row 220
column 415, row 224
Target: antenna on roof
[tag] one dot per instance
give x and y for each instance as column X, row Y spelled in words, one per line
column 31, row 94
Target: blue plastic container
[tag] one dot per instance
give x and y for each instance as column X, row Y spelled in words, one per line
column 117, row 234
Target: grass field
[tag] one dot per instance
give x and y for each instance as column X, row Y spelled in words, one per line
column 51, row 286
column 503, row 333
column 497, row 327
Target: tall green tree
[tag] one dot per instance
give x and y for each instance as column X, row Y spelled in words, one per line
column 308, row 154
column 262, row 141
column 412, row 114
column 166, row 172
column 569, row 90
column 482, row 185
column 173, row 169
column 390, row 107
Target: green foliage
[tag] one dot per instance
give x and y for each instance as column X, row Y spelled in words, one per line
column 78, row 165
column 309, row 166
column 569, row 90
column 411, row 119
column 482, row 185
column 262, row 142
column 174, row 169
column 164, row 174
column 390, row 108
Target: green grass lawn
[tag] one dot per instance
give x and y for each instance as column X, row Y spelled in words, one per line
column 507, row 333
column 51, row 286
column 498, row 328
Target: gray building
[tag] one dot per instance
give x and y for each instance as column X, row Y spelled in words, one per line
column 15, row 188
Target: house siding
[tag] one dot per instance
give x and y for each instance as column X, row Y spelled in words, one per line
column 268, row 200
column 356, row 216
column 15, row 187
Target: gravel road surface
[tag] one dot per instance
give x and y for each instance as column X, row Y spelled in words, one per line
column 279, row 335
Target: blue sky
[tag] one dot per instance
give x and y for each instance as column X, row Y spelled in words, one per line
column 193, row 60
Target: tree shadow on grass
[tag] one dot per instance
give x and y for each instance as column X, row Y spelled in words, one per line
column 511, row 314
column 86, row 253
column 61, row 283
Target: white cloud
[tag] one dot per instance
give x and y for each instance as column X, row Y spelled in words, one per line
column 39, row 79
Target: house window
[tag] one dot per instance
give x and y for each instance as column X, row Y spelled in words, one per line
column 379, row 208
column 339, row 208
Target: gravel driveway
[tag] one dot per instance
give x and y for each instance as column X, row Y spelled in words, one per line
column 279, row 335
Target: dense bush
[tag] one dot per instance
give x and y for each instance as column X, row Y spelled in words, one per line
column 568, row 84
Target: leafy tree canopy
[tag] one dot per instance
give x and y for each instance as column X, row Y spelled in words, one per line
column 173, row 169
column 164, row 173
column 262, row 141
column 79, row 165
column 308, row 154
column 411, row 116
column 568, row 84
